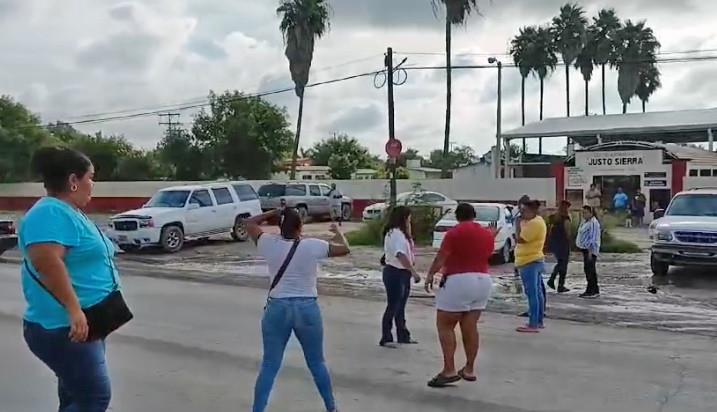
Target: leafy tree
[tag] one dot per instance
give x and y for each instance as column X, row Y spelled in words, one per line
column 543, row 59
column 458, row 157
column 180, row 157
column 521, row 48
column 303, row 21
column 342, row 166
column 241, row 136
column 106, row 153
column 409, row 154
column 648, row 84
column 457, row 12
column 20, row 134
column 585, row 63
column 636, row 51
column 569, row 30
column 604, row 28
column 340, row 144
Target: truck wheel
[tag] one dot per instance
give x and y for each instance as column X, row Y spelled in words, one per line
column 172, row 239
column 659, row 269
column 346, row 213
column 239, row 232
column 303, row 213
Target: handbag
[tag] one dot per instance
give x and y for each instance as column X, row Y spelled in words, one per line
column 282, row 268
column 104, row 317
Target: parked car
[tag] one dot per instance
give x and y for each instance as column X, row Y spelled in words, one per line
column 8, row 236
column 685, row 234
column 376, row 210
column 309, row 199
column 499, row 215
column 177, row 214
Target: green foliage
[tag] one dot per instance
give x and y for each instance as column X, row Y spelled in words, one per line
column 569, row 29
column 636, row 52
column 241, row 136
column 180, row 156
column 609, row 244
column 458, row 157
column 342, row 166
column 423, row 221
column 340, row 144
column 370, row 234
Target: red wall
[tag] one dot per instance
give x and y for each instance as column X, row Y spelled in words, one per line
column 558, row 169
column 679, row 171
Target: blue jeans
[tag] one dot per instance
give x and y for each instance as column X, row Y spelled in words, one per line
column 532, row 276
column 303, row 317
column 398, row 289
column 83, row 384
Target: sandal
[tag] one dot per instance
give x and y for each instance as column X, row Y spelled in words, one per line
column 440, row 381
column 465, row 377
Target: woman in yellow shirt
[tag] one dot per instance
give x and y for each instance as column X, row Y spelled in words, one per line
column 529, row 261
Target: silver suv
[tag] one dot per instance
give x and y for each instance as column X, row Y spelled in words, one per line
column 309, row 199
column 685, row 234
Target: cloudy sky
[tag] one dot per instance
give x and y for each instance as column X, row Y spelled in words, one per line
column 67, row 59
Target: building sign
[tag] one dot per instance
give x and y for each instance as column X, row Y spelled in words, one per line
column 576, row 177
column 627, row 160
column 656, row 183
column 655, row 175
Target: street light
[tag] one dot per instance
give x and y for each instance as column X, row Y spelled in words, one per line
column 498, row 138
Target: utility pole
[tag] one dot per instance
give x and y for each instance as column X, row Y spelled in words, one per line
column 172, row 125
column 391, row 124
column 499, row 115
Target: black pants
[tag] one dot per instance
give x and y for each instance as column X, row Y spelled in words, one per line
column 590, row 261
column 398, row 288
column 561, row 268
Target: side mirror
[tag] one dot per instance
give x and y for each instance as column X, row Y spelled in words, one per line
column 659, row 213
column 192, row 206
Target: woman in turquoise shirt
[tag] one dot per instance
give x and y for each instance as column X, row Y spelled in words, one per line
column 74, row 262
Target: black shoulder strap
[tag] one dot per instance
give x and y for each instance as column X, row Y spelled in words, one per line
column 39, row 282
column 284, row 265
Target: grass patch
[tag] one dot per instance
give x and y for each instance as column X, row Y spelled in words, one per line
column 619, row 246
column 370, row 234
column 423, row 220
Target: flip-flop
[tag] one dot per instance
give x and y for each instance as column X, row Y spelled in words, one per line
column 465, row 377
column 440, row 381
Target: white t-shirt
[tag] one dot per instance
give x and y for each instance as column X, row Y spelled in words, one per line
column 395, row 241
column 299, row 280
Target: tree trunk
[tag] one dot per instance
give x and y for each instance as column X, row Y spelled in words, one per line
column 292, row 176
column 603, row 90
column 522, row 100
column 624, row 107
column 541, row 98
column 447, row 137
column 587, row 99
column 567, row 88
column 643, row 106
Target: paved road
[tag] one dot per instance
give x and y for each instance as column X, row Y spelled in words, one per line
column 195, row 347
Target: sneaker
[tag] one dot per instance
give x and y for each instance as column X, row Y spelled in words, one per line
column 527, row 329
column 563, row 289
column 590, row 295
column 551, row 284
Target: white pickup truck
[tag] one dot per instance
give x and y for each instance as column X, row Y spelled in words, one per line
column 181, row 213
column 685, row 234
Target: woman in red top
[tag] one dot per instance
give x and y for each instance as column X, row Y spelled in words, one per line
column 464, row 292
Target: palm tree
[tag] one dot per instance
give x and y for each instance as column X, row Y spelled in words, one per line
column 636, row 50
column 585, row 63
column 521, row 49
column 457, row 11
column 303, row 21
column 604, row 27
column 648, row 84
column 569, row 31
column 543, row 59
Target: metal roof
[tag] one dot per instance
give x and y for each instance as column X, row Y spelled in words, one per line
column 679, row 126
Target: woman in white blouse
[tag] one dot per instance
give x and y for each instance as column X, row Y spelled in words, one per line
column 397, row 273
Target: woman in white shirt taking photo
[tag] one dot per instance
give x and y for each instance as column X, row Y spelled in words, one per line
column 292, row 304
column 397, row 273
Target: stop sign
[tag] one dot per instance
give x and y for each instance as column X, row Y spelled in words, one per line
column 393, row 148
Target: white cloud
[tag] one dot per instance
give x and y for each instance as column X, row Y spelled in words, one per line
column 64, row 59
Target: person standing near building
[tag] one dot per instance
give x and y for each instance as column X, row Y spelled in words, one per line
column 620, row 201
column 335, row 197
column 639, row 203
column 529, row 259
column 594, row 197
column 588, row 241
column 559, row 245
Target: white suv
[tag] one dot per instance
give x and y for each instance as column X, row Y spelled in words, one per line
column 686, row 233
column 176, row 214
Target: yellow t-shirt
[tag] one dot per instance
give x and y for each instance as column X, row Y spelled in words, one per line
column 533, row 233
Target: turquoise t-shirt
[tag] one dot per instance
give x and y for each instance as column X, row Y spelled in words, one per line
column 89, row 259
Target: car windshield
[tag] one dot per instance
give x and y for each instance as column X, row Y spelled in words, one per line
column 273, row 190
column 693, row 205
column 487, row 213
column 169, row 198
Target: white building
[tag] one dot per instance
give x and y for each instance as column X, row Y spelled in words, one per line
column 364, row 174
column 305, row 173
column 417, row 172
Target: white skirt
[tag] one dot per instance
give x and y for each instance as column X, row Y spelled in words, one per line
column 464, row 292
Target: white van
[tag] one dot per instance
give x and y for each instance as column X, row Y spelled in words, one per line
column 177, row 214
